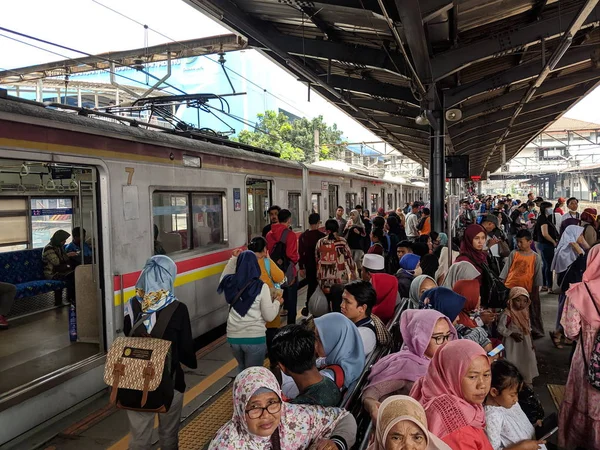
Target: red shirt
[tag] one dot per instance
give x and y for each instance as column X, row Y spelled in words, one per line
column 468, row 438
column 291, row 244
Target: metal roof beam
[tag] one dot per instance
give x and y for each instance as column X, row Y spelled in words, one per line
column 448, row 62
column 404, row 122
column 324, row 50
column 484, row 131
column 412, row 23
column 490, row 137
column 506, row 114
column 433, row 8
column 516, row 95
column 513, row 75
column 371, row 87
column 406, row 109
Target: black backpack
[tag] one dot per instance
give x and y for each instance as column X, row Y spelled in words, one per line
column 279, row 256
column 494, row 294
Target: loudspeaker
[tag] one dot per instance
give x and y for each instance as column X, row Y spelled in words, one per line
column 457, row 166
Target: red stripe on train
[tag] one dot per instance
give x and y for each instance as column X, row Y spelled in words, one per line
column 129, row 279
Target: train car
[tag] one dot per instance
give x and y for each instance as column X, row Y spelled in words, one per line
column 135, row 191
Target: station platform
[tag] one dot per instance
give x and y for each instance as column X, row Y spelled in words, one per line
column 96, row 425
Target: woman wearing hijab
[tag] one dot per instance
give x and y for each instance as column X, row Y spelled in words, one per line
column 338, row 343
column 452, row 393
column 589, row 222
column 579, row 417
column 406, row 273
column 355, row 233
column 444, row 300
column 462, row 270
column 402, row 419
column 569, row 264
column 420, row 284
column 57, row 265
column 423, row 331
column 472, row 247
column 263, row 421
column 250, row 308
column 442, row 242
column 155, row 296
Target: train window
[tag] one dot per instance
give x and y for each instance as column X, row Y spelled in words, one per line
column 48, row 215
column 374, row 200
column 390, row 202
column 351, row 202
column 13, row 225
column 176, row 213
column 364, row 197
column 294, row 207
column 315, row 201
column 170, row 213
column 207, row 219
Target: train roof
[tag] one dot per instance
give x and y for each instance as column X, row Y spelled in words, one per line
column 14, row 109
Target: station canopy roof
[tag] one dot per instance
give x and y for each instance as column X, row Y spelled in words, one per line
column 381, row 60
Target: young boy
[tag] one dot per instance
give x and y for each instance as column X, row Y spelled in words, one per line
column 293, row 350
column 524, row 269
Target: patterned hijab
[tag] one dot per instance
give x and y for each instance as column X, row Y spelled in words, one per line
column 155, row 288
column 440, row 391
column 520, row 317
column 300, row 425
column 398, row 408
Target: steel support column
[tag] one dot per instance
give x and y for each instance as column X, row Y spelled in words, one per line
column 437, row 172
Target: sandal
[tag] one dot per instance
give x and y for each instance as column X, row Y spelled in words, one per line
column 555, row 339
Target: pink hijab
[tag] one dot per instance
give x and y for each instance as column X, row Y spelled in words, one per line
column 440, row 392
column 578, row 294
column 410, row 363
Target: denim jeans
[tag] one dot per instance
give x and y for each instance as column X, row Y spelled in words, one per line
column 546, row 250
column 249, row 355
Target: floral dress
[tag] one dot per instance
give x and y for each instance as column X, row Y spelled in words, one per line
column 579, row 418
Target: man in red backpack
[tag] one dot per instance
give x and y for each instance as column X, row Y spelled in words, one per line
column 282, row 243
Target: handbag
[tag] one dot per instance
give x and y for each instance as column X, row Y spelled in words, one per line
column 317, row 303
column 138, row 369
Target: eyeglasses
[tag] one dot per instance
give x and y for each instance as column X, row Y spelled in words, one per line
column 441, row 338
column 271, row 408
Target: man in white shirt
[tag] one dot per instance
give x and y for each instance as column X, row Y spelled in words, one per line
column 358, row 300
column 573, row 205
column 412, row 222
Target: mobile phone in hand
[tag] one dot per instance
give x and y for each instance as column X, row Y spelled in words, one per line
column 495, row 351
column 548, row 428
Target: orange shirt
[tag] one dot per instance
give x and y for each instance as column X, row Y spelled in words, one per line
column 277, row 276
column 426, row 226
column 521, row 272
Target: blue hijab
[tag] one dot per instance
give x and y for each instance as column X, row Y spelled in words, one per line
column 409, row 261
column 444, row 300
column 342, row 344
column 247, row 275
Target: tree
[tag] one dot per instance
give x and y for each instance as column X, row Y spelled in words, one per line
column 293, row 140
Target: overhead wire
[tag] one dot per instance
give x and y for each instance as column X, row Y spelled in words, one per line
column 64, row 47
column 263, row 90
column 68, row 58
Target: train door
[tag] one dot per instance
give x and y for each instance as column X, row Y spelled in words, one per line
column 364, row 198
column 396, row 199
column 259, row 200
column 351, row 199
column 49, row 249
column 333, row 199
column 315, row 203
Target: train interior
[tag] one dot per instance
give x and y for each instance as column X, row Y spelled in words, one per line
column 36, row 200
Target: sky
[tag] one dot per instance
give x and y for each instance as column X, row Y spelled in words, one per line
column 88, row 26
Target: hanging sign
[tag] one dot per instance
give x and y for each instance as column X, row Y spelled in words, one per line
column 324, row 185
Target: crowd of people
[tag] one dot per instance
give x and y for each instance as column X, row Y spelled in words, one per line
column 469, row 314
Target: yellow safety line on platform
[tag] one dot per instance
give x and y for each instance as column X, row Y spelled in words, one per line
column 190, row 395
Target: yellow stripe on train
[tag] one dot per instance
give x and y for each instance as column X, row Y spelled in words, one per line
column 185, row 278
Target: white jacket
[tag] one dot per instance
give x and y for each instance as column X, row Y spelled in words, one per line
column 252, row 325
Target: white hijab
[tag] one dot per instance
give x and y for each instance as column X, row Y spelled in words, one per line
column 565, row 255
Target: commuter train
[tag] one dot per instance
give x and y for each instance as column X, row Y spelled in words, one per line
column 135, row 190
